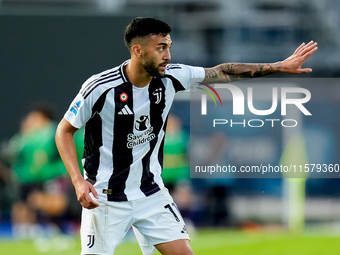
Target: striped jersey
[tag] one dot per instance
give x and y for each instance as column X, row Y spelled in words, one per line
column 125, row 129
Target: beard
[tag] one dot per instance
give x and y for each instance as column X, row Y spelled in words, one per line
column 151, row 68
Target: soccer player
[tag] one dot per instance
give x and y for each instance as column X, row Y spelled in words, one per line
column 124, row 111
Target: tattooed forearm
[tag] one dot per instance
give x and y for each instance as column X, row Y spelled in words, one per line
column 235, row 71
column 250, row 70
column 211, row 74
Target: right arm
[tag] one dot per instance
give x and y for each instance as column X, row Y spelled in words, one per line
column 65, row 143
column 237, row 71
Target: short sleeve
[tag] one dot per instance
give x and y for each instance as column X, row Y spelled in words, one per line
column 79, row 111
column 188, row 76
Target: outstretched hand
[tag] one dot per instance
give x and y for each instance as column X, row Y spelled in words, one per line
column 293, row 64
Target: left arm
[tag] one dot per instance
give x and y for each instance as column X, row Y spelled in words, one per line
column 237, row 71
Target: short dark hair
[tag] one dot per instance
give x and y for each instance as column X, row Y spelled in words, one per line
column 140, row 27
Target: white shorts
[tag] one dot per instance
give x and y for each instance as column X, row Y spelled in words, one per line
column 155, row 219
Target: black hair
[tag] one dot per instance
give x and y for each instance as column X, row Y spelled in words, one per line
column 140, row 27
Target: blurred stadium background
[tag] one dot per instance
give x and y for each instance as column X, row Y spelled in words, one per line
column 48, row 48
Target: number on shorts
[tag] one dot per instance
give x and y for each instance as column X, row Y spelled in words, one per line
column 168, row 206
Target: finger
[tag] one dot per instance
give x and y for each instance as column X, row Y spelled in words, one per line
column 308, row 48
column 299, row 48
column 90, row 203
column 94, row 192
column 305, row 70
column 305, row 47
column 83, row 201
column 310, row 43
column 309, row 53
column 87, row 202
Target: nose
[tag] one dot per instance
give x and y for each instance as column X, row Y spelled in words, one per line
column 167, row 55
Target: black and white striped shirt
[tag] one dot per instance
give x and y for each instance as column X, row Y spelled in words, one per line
column 125, row 128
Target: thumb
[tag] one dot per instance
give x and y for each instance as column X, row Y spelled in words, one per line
column 306, row 70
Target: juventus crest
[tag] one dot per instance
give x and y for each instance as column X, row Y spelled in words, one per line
column 158, row 94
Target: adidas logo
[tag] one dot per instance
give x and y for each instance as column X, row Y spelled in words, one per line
column 125, row 111
column 184, row 230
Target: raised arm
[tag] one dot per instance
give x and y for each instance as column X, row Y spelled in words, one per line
column 67, row 151
column 237, row 71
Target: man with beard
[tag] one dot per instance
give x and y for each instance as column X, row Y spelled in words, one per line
column 124, row 111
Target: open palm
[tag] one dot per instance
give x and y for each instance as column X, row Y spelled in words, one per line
column 293, row 64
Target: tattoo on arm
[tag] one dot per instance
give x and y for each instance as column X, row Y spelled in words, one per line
column 236, row 71
column 211, row 74
column 250, row 70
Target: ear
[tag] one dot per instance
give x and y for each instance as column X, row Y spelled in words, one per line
column 136, row 50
